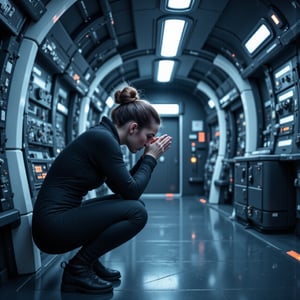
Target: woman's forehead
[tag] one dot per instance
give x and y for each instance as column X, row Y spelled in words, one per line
column 153, row 128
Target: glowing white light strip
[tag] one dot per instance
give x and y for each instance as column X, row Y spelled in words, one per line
column 225, row 98
column 179, row 4
column 165, row 70
column 286, row 95
column 285, row 143
column 286, row 120
column 260, row 35
column 283, row 71
column 62, row 108
column 172, row 35
column 167, row 109
column 272, row 47
column 40, row 82
column 109, row 102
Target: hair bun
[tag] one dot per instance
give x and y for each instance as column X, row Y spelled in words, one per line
column 127, row 95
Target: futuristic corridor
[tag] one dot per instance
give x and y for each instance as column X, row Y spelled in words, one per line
column 208, row 137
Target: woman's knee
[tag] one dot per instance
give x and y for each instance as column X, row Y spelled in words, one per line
column 139, row 213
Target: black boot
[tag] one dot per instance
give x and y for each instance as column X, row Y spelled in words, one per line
column 105, row 273
column 82, row 278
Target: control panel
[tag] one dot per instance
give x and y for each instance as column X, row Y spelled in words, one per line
column 240, row 132
column 60, row 113
column 269, row 133
column 57, row 48
column 8, row 56
column 6, row 194
column 38, row 128
column 61, row 53
column 32, row 8
column 286, row 97
column 269, row 128
column 11, row 17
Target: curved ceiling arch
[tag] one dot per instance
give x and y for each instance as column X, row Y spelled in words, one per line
column 131, row 29
column 91, row 23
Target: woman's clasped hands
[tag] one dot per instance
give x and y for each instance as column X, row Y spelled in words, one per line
column 158, row 146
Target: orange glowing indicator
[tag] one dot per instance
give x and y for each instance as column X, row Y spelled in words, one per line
column 202, row 200
column 217, row 133
column 169, row 196
column 41, row 176
column 76, row 77
column 38, row 169
column 201, row 137
column 284, row 129
column 294, row 254
column 193, row 160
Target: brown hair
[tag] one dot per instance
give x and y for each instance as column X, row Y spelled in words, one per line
column 132, row 108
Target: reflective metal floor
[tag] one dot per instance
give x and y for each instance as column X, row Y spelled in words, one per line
column 187, row 251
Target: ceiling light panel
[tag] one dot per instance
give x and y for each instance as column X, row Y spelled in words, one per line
column 165, row 70
column 260, row 37
column 172, row 36
column 179, row 4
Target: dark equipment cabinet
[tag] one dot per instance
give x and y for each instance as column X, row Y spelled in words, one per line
column 264, row 193
column 240, row 190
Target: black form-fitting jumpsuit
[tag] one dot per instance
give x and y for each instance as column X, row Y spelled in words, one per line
column 62, row 221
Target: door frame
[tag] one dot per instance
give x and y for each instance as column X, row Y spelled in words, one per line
column 180, row 164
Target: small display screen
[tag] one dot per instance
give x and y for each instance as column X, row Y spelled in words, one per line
column 40, row 171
